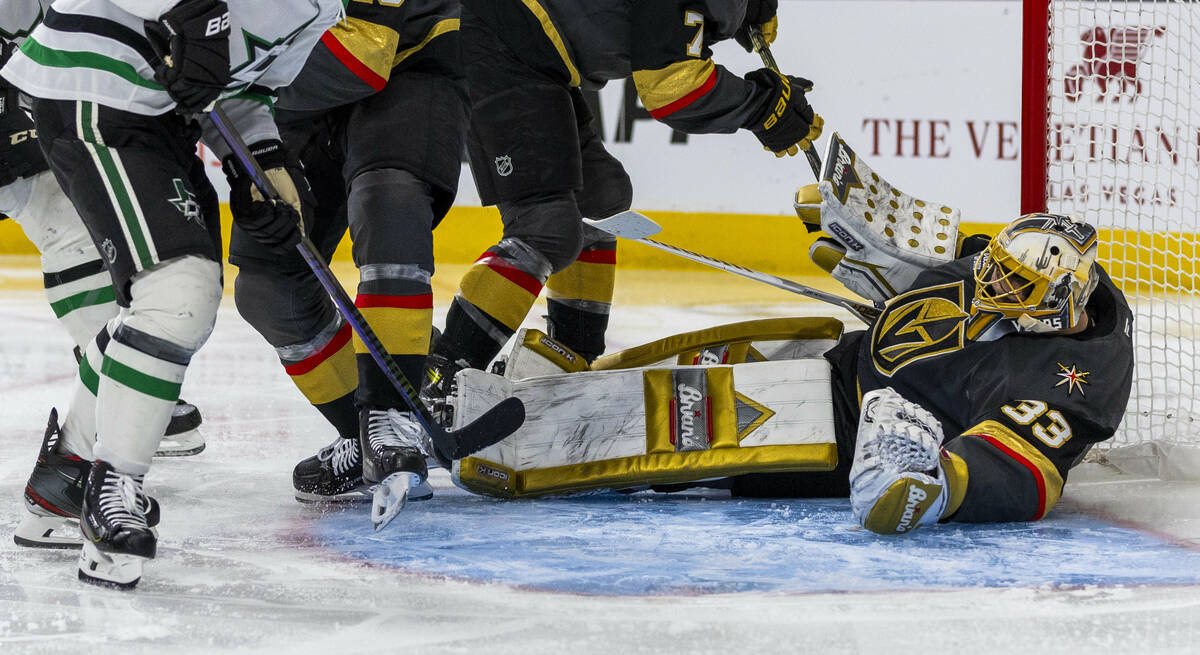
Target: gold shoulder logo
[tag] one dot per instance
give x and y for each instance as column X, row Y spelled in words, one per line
column 922, row 323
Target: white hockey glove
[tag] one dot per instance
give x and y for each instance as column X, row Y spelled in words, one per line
column 879, row 238
column 898, row 481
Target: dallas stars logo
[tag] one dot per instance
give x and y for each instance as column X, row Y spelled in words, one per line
column 185, row 202
column 1073, row 378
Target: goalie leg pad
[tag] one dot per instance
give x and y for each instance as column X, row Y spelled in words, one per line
column 629, row 428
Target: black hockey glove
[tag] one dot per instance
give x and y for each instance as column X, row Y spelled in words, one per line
column 192, row 41
column 760, row 13
column 275, row 224
column 787, row 124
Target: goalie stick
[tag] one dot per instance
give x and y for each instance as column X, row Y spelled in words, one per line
column 636, row 227
column 491, row 427
column 768, row 60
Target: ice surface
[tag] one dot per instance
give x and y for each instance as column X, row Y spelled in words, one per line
column 243, row 568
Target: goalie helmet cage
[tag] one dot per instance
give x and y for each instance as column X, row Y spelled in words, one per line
column 1111, row 132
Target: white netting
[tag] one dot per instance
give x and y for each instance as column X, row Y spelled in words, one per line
column 1123, row 148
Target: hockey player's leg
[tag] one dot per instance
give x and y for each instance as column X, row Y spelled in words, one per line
column 579, row 297
column 524, row 151
column 279, row 297
column 391, row 222
column 172, row 310
column 78, row 288
column 295, row 316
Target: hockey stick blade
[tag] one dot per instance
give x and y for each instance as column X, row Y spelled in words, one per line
column 866, row 313
column 499, row 421
column 627, row 225
column 491, row 427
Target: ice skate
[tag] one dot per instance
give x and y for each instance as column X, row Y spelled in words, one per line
column 182, row 437
column 54, row 496
column 334, row 474
column 394, row 450
column 116, row 539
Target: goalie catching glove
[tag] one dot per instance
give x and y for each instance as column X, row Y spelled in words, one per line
column 788, row 124
column 277, row 225
column 878, row 238
column 899, row 480
column 192, row 42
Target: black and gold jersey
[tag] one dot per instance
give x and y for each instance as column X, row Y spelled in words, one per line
column 664, row 45
column 355, row 58
column 1018, row 408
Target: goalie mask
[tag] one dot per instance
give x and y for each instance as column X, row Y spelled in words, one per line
column 1038, row 272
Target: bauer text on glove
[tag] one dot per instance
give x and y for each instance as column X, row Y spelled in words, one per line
column 787, row 123
column 275, row 224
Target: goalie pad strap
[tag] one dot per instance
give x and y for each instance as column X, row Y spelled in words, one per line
column 690, row 345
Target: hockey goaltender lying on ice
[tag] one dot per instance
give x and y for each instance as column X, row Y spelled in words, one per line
column 994, row 366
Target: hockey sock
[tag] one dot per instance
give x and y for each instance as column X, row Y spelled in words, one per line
column 81, row 297
column 172, row 310
column 323, row 370
column 397, row 300
column 79, row 424
column 579, row 298
column 492, row 301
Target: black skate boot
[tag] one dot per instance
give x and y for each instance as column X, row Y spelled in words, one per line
column 438, row 387
column 182, row 437
column 333, row 475
column 116, row 539
column 394, row 448
column 54, row 496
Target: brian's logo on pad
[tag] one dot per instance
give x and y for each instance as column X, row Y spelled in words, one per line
column 691, row 411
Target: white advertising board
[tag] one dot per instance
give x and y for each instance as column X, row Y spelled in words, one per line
column 928, row 91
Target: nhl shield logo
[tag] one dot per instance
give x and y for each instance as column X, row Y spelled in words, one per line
column 504, row 165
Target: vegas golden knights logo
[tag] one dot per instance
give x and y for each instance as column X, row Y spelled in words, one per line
column 920, row 324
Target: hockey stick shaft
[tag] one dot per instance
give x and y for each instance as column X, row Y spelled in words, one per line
column 865, row 313
column 336, row 292
column 768, row 60
column 637, row 227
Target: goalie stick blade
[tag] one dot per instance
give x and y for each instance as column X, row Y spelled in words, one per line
column 503, row 419
column 627, row 225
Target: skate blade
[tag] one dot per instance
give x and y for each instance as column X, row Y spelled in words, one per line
column 361, row 495
column 112, row 570
column 390, row 496
column 47, row 532
column 183, row 444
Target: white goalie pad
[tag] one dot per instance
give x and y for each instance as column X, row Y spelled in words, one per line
column 655, row 425
column 887, row 236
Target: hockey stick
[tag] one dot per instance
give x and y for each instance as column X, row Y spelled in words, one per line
column 491, row 427
column 636, row 227
column 764, row 52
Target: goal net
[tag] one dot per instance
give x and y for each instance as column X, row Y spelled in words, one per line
column 1111, row 132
